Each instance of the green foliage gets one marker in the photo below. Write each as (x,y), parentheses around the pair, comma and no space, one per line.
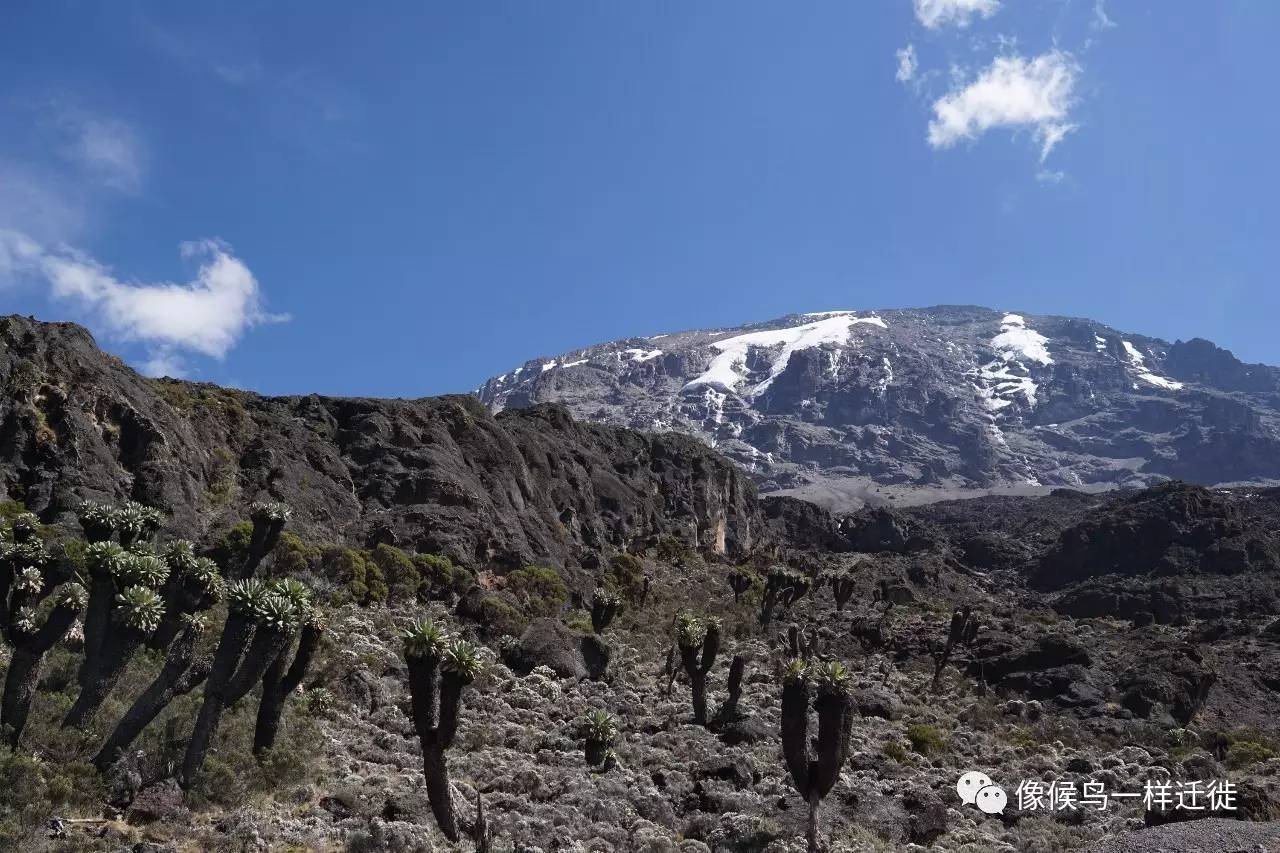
(32,790)
(464,659)
(441,577)
(401,574)
(233,548)
(599,727)
(425,639)
(539,589)
(894,750)
(362,581)
(292,556)
(626,576)
(501,619)
(1246,753)
(926,739)
(140,608)
(9,510)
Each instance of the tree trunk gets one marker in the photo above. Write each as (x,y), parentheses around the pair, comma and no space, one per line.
(98,682)
(812,837)
(278,684)
(235,634)
(176,678)
(698,683)
(270,707)
(19,686)
(439,792)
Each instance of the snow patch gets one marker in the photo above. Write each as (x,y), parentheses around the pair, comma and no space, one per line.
(1008,377)
(642,354)
(1015,339)
(1138,362)
(882,384)
(1099,343)
(728,369)
(575,363)
(548,366)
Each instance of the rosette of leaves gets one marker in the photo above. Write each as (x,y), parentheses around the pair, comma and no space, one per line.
(103,556)
(180,554)
(24,621)
(208,578)
(134,521)
(140,608)
(463,660)
(425,640)
(605,606)
(599,731)
(277,613)
(25,528)
(142,570)
(244,596)
(28,580)
(97,520)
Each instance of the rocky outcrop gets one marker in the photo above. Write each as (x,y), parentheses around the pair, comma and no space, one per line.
(438,474)
(1170,529)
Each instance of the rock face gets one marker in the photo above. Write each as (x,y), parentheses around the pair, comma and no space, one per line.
(835,404)
(438,474)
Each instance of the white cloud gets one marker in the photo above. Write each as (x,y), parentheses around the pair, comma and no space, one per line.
(939,13)
(164,362)
(207,315)
(1101,21)
(109,150)
(1013,92)
(907,63)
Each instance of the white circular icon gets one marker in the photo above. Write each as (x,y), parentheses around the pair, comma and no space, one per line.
(969,785)
(991,799)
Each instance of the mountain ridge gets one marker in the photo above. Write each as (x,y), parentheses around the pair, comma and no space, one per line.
(948,398)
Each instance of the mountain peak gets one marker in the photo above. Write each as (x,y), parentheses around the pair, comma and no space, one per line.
(933,400)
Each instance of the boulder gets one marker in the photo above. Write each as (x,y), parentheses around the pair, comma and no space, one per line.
(567,653)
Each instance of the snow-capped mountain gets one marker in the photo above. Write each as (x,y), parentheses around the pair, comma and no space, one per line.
(839,404)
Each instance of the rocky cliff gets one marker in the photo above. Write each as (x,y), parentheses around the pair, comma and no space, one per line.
(438,474)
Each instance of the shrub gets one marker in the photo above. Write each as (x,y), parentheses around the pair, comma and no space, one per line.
(293,556)
(626,575)
(233,548)
(499,618)
(1246,753)
(400,573)
(926,739)
(539,590)
(362,580)
(441,577)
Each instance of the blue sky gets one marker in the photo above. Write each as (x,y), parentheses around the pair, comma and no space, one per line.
(321,197)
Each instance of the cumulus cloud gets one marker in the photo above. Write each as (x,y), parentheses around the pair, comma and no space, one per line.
(940,13)
(206,315)
(1013,92)
(109,150)
(907,64)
